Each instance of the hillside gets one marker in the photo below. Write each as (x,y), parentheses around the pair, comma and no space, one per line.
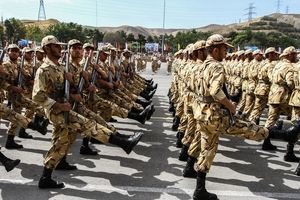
(288,24)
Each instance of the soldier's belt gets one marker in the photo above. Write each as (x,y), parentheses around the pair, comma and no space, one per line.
(205,99)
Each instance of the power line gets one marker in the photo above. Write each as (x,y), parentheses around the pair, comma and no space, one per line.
(278,4)
(250,12)
(42,13)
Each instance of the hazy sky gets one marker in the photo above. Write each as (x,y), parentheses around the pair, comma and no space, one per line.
(179,14)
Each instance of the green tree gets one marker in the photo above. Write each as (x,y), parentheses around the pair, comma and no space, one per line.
(150,39)
(67,31)
(114,38)
(15,29)
(34,33)
(130,38)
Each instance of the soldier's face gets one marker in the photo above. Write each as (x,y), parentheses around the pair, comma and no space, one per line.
(221,52)
(103,56)
(76,51)
(13,54)
(29,55)
(293,57)
(87,51)
(39,55)
(54,50)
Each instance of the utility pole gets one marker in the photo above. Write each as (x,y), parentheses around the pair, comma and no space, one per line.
(278,6)
(287,10)
(163,37)
(250,12)
(42,13)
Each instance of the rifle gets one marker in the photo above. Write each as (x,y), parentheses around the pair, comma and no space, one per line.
(81,81)
(94,75)
(67,85)
(19,81)
(2,54)
(34,65)
(110,75)
(232,119)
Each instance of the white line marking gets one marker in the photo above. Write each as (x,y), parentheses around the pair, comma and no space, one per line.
(125,189)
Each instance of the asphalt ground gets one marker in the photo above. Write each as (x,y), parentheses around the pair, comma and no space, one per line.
(241,170)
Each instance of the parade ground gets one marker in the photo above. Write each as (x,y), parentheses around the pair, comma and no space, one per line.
(241,170)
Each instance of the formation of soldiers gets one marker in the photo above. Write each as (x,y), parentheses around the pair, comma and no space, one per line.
(214,93)
(78,89)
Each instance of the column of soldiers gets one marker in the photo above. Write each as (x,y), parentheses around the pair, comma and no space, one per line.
(78,90)
(214,93)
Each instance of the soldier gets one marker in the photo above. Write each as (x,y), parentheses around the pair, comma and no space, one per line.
(280,91)
(213,104)
(253,69)
(191,136)
(263,87)
(48,92)
(15,94)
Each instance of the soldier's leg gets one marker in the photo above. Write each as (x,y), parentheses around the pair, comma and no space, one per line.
(290,155)
(241,104)
(183,156)
(8,163)
(258,108)
(209,145)
(12,130)
(193,152)
(250,98)
(273,116)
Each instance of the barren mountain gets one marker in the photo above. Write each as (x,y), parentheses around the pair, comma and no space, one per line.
(284,23)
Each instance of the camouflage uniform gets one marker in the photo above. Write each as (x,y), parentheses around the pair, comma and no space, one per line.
(212,116)
(280,91)
(47,90)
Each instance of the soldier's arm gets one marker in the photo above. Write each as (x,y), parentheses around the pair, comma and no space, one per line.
(39,93)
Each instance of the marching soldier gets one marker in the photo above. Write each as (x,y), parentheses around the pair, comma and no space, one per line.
(280,92)
(48,91)
(213,102)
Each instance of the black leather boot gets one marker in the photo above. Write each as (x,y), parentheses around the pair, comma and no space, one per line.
(179,136)
(85,148)
(24,134)
(183,156)
(11,144)
(290,155)
(267,145)
(9,164)
(171,107)
(176,123)
(143,102)
(200,192)
(127,144)
(140,117)
(64,165)
(189,170)
(41,124)
(152,110)
(47,182)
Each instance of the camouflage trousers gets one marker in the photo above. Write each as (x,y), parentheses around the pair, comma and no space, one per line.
(189,133)
(210,133)
(154,66)
(275,110)
(259,106)
(250,98)
(12,116)
(17,106)
(241,104)
(180,109)
(127,92)
(133,89)
(195,147)
(84,111)
(105,108)
(64,135)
